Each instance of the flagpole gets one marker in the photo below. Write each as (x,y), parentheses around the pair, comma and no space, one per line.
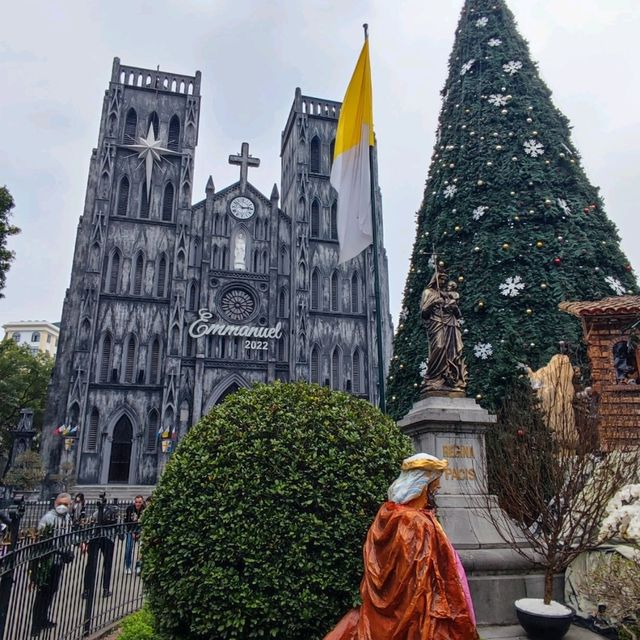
(376,275)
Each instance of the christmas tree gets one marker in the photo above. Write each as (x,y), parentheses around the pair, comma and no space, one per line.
(508,212)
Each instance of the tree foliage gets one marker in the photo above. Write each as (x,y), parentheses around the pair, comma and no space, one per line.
(23,384)
(27,472)
(257,525)
(509,211)
(6,230)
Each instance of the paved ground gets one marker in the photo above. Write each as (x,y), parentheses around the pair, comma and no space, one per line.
(516,632)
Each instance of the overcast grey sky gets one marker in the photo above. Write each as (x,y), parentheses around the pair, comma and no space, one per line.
(55,64)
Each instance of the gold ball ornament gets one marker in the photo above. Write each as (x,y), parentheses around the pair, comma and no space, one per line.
(529,312)
(539,244)
(460,278)
(543,285)
(457,228)
(505,246)
(479,396)
(480,183)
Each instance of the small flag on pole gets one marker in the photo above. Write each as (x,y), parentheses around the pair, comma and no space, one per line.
(350,174)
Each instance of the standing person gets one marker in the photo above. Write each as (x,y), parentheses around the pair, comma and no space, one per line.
(102,542)
(46,571)
(78,510)
(132,517)
(414,585)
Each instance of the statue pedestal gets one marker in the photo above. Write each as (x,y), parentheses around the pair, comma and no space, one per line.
(454,428)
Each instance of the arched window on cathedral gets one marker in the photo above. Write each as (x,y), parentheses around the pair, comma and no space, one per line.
(180,264)
(94,257)
(282,303)
(281,348)
(161,281)
(167,203)
(104,366)
(154,361)
(175,341)
(194,254)
(74,413)
(223,258)
(315,290)
(355,293)
(130,126)
(315,219)
(122,207)
(336,368)
(130,352)
(85,334)
(265,262)
(138,272)
(192,304)
(258,230)
(302,211)
(332,151)
(315,365)
(144,202)
(314,155)
(284,261)
(91,439)
(151,436)
(333,231)
(256,261)
(153,123)
(302,275)
(113,272)
(356,371)
(214,257)
(335,300)
(174,134)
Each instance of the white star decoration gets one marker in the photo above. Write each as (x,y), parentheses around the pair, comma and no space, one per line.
(615,284)
(150,151)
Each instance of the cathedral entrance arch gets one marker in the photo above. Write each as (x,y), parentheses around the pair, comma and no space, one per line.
(229,385)
(121,446)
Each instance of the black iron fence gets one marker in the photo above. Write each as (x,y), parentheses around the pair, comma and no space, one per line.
(70,582)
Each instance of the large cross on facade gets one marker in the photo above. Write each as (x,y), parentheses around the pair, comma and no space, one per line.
(245,161)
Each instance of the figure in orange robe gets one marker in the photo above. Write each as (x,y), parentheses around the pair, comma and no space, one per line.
(414,586)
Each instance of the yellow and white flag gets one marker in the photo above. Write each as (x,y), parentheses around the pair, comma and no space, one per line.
(350,174)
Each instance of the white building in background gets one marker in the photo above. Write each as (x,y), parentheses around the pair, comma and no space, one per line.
(38,335)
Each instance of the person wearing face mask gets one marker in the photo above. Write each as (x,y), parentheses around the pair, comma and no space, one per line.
(46,573)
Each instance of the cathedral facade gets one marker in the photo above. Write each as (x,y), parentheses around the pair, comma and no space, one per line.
(174,305)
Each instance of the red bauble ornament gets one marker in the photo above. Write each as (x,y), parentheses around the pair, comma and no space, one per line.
(628,267)
(586,209)
(520,433)
(557,261)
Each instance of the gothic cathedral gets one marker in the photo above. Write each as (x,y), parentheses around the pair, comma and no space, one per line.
(174,305)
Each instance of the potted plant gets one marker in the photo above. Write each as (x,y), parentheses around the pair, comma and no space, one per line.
(552,481)
(27,472)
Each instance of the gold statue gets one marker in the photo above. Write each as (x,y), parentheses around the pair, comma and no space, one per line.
(446,369)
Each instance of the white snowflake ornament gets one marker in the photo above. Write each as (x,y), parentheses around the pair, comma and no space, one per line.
(564,206)
(616,285)
(450,191)
(423,369)
(483,350)
(512,287)
(512,67)
(494,42)
(467,66)
(497,99)
(533,148)
(403,314)
(482,22)
(478,212)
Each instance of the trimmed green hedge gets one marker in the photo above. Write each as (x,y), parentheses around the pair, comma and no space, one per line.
(138,626)
(256,527)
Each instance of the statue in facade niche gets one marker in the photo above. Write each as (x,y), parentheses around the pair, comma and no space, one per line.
(239,262)
(446,369)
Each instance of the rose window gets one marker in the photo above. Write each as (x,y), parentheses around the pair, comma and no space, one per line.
(237,305)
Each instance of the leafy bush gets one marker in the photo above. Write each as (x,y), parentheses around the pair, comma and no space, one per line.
(138,626)
(257,524)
